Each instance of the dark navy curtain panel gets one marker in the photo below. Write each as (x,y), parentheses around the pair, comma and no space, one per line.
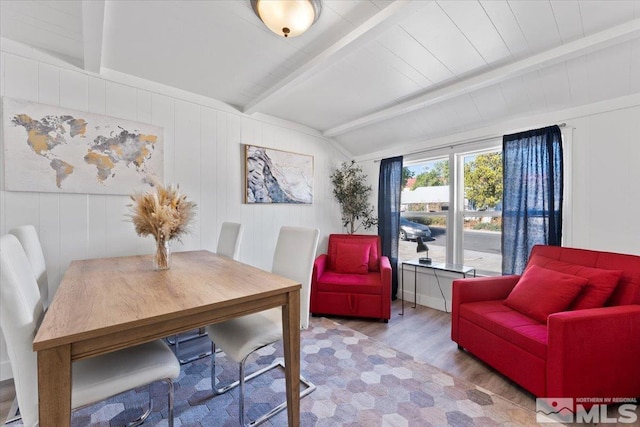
(389,190)
(532,198)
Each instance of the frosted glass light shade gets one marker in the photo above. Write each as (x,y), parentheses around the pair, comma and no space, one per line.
(287,18)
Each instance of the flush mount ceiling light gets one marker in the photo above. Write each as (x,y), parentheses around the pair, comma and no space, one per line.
(287,18)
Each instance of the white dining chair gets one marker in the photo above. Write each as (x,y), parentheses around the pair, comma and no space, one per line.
(239,337)
(229,241)
(93,379)
(28,238)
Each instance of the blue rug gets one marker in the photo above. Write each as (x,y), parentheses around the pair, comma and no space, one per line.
(360,382)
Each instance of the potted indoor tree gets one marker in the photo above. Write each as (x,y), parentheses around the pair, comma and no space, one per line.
(352,193)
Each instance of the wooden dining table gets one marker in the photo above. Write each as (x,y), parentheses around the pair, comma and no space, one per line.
(108,304)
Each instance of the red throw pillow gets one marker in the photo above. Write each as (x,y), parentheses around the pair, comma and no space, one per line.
(352,258)
(371,240)
(601,283)
(541,292)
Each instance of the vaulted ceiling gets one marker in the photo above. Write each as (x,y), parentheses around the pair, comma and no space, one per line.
(370,74)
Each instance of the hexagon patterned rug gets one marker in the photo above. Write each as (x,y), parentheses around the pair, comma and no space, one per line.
(360,382)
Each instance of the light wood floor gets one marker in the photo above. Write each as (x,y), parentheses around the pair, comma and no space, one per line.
(423,333)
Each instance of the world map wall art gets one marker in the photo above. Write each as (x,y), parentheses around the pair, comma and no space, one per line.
(275,176)
(54,149)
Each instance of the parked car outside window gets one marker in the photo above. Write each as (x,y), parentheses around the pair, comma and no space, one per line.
(410,230)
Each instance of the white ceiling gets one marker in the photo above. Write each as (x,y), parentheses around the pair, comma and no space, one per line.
(371,73)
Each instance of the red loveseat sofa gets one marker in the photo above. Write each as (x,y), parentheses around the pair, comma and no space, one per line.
(352,278)
(590,348)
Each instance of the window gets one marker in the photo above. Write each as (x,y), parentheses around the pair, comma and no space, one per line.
(425,202)
(481,211)
(458,197)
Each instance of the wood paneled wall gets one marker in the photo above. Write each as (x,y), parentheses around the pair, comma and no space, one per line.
(203,154)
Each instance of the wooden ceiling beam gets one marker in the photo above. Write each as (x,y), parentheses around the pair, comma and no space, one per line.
(92,33)
(576,48)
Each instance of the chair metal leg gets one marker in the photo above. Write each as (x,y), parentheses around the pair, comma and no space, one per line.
(15,416)
(14,412)
(185,337)
(170,400)
(310,387)
(241,402)
(177,341)
(141,419)
(226,388)
(144,416)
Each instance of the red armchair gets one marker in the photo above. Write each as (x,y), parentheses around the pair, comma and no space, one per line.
(352,279)
(585,350)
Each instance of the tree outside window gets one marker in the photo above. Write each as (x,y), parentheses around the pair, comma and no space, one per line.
(483,181)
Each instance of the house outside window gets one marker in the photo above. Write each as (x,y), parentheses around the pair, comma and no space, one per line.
(459,197)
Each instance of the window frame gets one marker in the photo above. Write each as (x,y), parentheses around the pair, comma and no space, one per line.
(454,248)
(455,214)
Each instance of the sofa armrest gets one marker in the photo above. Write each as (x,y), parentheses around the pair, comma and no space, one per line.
(483,288)
(594,352)
(319,266)
(478,289)
(386,279)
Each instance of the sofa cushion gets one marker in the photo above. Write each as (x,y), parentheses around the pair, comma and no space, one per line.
(601,283)
(331,281)
(541,292)
(352,258)
(628,289)
(508,324)
(372,240)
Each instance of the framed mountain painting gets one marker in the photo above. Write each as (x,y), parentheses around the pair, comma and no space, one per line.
(276,176)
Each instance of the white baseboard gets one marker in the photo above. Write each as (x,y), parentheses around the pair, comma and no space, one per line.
(432,291)
(427,301)
(434,302)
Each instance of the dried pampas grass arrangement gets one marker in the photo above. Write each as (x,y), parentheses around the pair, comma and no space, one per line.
(164,213)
